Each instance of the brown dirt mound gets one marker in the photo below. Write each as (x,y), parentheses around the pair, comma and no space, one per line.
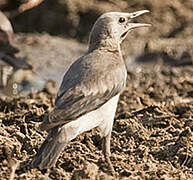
(152,136)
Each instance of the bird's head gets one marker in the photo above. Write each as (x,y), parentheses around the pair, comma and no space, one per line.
(111,29)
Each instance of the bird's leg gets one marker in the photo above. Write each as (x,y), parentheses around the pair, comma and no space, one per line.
(106,151)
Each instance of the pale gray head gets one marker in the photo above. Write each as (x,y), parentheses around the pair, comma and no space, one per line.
(111,29)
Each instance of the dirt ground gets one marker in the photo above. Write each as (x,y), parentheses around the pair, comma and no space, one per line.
(152,135)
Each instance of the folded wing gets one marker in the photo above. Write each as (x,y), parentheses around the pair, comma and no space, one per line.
(84,90)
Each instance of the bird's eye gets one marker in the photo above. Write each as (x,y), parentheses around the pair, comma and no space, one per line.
(121,20)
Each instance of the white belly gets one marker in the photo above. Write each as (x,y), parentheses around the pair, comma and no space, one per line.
(102,117)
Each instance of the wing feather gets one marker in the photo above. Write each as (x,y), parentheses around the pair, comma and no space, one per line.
(81,94)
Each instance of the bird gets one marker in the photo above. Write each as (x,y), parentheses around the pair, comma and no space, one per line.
(90,89)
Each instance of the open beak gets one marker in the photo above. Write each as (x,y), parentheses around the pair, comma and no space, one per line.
(134,15)
(131,26)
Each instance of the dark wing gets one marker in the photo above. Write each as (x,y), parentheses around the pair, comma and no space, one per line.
(84,90)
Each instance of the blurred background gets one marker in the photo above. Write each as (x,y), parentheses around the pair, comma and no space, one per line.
(152,135)
(75,18)
(50,35)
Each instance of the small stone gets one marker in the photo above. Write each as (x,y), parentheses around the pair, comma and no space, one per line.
(20,136)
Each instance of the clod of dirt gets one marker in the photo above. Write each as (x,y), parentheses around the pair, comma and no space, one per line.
(151,139)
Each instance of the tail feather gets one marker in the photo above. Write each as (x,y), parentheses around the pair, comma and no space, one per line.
(48,152)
